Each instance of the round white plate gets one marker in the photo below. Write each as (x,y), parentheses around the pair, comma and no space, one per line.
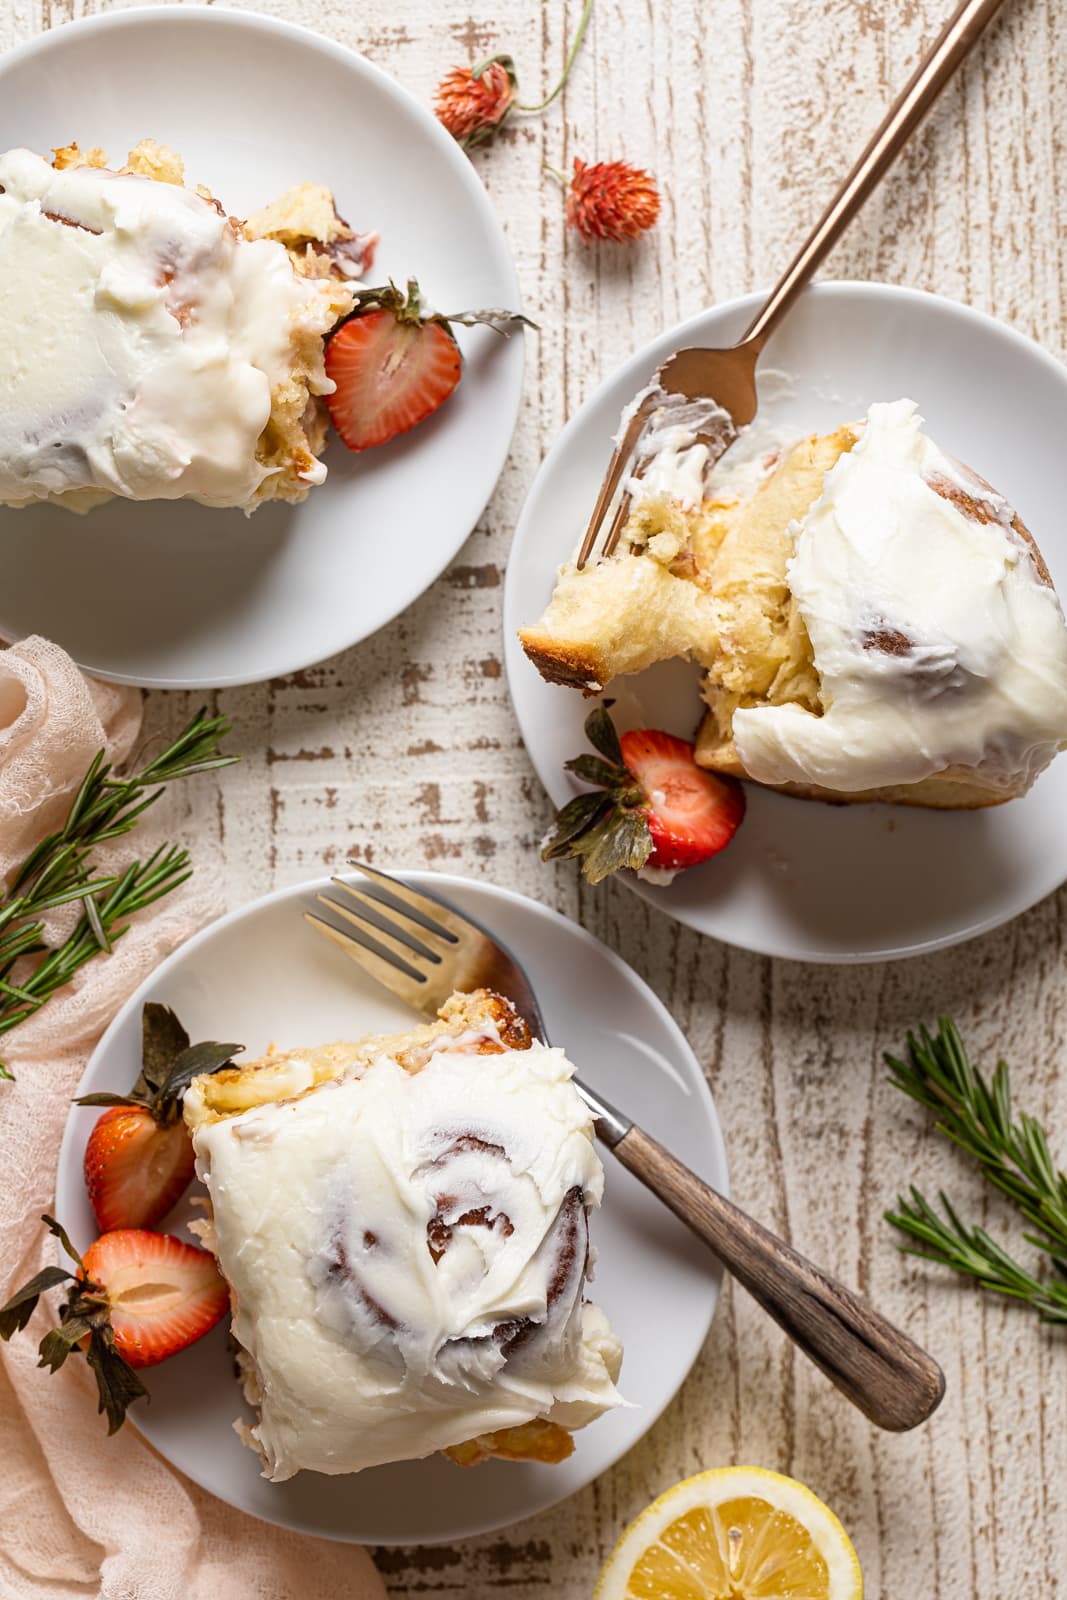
(801,879)
(176,595)
(263,974)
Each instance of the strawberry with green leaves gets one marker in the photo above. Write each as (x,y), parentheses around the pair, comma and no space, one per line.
(394,364)
(139,1157)
(651,807)
(135,1299)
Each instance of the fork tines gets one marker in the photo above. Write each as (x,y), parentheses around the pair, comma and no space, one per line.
(401,938)
(609,488)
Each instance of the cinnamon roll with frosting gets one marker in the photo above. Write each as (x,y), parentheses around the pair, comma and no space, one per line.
(404,1227)
(872,620)
(152,347)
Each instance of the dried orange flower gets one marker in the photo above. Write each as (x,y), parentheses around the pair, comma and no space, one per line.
(611,200)
(472,102)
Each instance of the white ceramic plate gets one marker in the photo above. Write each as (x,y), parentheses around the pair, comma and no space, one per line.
(262,974)
(175,595)
(811,881)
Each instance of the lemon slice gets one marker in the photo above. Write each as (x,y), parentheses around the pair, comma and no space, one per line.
(736,1533)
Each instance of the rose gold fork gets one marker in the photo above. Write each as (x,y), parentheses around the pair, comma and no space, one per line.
(423,949)
(728,377)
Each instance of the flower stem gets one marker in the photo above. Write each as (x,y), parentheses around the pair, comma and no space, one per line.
(571,56)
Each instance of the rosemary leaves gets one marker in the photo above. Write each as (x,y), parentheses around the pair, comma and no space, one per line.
(61,871)
(1012,1151)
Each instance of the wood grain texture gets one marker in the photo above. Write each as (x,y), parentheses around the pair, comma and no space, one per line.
(881,1369)
(406,750)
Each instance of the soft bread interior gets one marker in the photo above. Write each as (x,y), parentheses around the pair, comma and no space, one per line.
(762,654)
(708,584)
(282,1075)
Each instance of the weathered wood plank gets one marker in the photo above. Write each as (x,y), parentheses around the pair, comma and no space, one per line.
(406,750)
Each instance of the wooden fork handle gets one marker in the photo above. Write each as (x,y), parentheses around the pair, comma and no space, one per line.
(883,1372)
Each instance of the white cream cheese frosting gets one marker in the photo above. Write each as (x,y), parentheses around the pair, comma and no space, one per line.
(672,457)
(140,338)
(691,450)
(937,642)
(407,1254)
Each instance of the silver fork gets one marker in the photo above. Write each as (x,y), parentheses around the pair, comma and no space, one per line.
(727,377)
(423,949)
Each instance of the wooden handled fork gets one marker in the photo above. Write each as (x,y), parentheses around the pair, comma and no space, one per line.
(423,950)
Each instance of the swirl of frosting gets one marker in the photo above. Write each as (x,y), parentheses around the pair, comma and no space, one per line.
(939,641)
(408,1252)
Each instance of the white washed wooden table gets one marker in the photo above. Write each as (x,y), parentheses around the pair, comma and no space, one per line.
(406,751)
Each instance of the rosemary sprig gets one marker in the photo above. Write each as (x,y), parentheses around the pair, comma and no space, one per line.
(971,1251)
(976,1113)
(60,870)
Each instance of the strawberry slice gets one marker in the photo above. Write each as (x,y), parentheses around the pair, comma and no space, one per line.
(390,374)
(135,1299)
(651,806)
(139,1157)
(162,1294)
(691,814)
(393,365)
(136,1167)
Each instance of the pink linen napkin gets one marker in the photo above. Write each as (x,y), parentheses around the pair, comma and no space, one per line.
(81,1513)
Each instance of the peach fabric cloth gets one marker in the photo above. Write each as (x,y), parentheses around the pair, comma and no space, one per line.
(81,1514)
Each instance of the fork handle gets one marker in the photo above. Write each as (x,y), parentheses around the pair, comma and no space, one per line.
(883,1372)
(952,46)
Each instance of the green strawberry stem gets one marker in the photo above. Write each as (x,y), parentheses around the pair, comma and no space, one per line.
(606,829)
(83,1315)
(169,1064)
(406,306)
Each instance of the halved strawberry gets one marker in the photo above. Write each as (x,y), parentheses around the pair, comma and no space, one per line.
(136,1168)
(135,1299)
(162,1294)
(139,1158)
(692,814)
(652,805)
(394,366)
(390,374)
